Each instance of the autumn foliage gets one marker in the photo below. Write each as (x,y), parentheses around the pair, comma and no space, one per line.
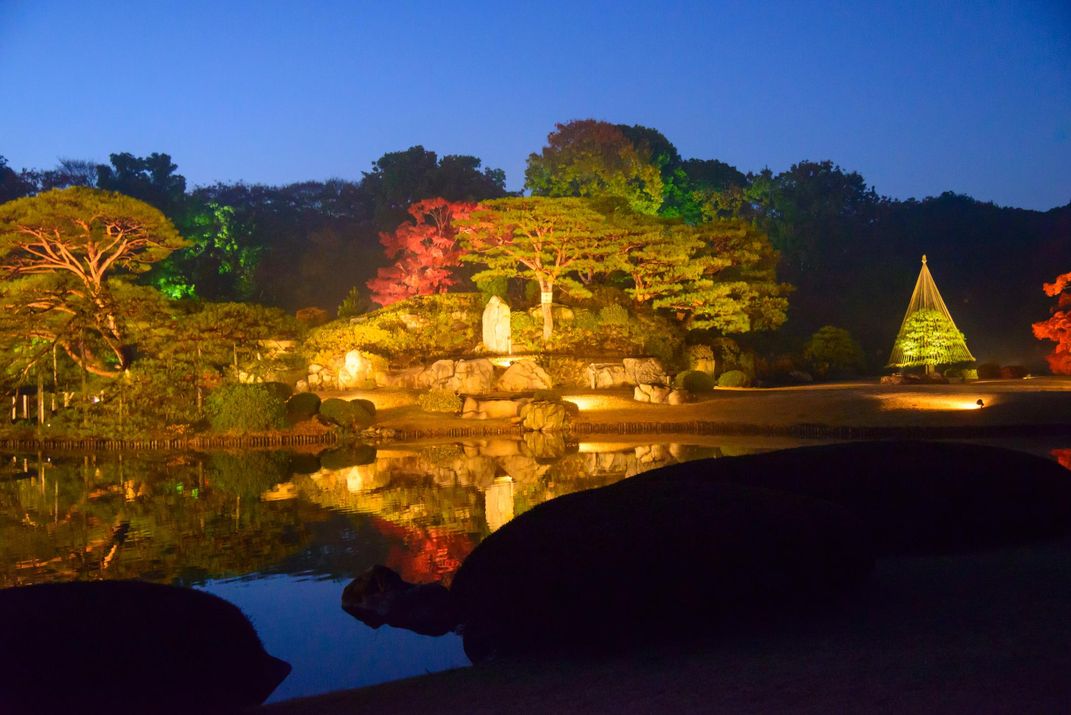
(425,252)
(1058,327)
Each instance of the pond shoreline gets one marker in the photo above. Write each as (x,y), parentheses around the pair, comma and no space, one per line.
(861,410)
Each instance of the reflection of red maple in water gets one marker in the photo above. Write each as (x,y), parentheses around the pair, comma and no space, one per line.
(1063,456)
(424,555)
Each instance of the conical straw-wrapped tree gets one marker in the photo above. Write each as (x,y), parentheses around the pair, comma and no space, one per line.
(928,336)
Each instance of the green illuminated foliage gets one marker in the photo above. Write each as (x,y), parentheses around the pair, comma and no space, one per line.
(546,240)
(596,159)
(245,408)
(833,352)
(928,338)
(58,251)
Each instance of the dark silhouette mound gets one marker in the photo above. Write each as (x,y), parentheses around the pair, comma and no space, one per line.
(638,560)
(380,596)
(916,497)
(128,647)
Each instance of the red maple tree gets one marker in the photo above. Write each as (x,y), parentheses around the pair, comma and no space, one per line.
(1058,327)
(425,252)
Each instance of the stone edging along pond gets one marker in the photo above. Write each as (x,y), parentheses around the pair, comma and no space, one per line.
(402,434)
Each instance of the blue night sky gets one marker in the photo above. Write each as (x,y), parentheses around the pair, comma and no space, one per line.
(919,97)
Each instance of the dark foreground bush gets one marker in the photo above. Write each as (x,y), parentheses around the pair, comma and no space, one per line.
(643,559)
(244,408)
(915,497)
(345,414)
(179,651)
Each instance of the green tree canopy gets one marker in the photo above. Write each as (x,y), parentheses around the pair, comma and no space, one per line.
(59,250)
(547,240)
(929,339)
(833,352)
(591,158)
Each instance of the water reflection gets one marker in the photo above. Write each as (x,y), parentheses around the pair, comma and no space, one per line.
(266,529)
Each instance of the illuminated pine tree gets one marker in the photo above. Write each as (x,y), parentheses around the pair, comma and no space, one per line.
(928,336)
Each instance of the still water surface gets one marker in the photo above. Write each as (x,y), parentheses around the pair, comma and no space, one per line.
(280,534)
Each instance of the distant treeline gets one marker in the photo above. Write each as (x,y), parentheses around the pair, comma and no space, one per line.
(851,254)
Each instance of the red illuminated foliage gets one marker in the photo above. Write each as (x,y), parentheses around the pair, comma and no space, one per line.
(1063,456)
(424,555)
(1058,327)
(425,252)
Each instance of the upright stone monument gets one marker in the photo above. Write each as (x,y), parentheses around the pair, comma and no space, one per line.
(497,337)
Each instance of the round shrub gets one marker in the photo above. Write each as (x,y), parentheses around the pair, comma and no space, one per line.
(345,414)
(733,378)
(368,405)
(302,406)
(439,400)
(694,381)
(833,352)
(244,408)
(279,389)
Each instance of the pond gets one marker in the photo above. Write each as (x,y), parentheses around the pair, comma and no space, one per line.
(280,534)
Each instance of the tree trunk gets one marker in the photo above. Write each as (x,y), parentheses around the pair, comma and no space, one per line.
(40,396)
(546,303)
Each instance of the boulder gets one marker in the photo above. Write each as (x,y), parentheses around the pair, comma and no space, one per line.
(678,397)
(601,376)
(129,647)
(914,497)
(645,559)
(524,376)
(645,371)
(497,336)
(438,375)
(544,416)
(656,394)
(380,596)
(472,377)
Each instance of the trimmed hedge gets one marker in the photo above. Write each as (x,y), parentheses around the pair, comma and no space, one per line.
(345,414)
(694,381)
(302,406)
(245,408)
(734,378)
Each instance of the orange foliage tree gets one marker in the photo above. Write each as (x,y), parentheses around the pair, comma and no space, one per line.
(1058,327)
(425,252)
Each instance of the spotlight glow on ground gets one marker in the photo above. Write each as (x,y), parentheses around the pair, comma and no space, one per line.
(917,401)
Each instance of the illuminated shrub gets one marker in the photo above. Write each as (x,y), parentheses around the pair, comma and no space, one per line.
(405,332)
(694,381)
(613,314)
(833,352)
(244,408)
(439,400)
(279,389)
(734,378)
(345,414)
(368,405)
(302,406)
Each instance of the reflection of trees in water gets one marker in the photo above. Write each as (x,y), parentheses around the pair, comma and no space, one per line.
(173,519)
(185,518)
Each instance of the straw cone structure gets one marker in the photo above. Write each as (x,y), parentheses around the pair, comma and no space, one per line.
(928,336)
